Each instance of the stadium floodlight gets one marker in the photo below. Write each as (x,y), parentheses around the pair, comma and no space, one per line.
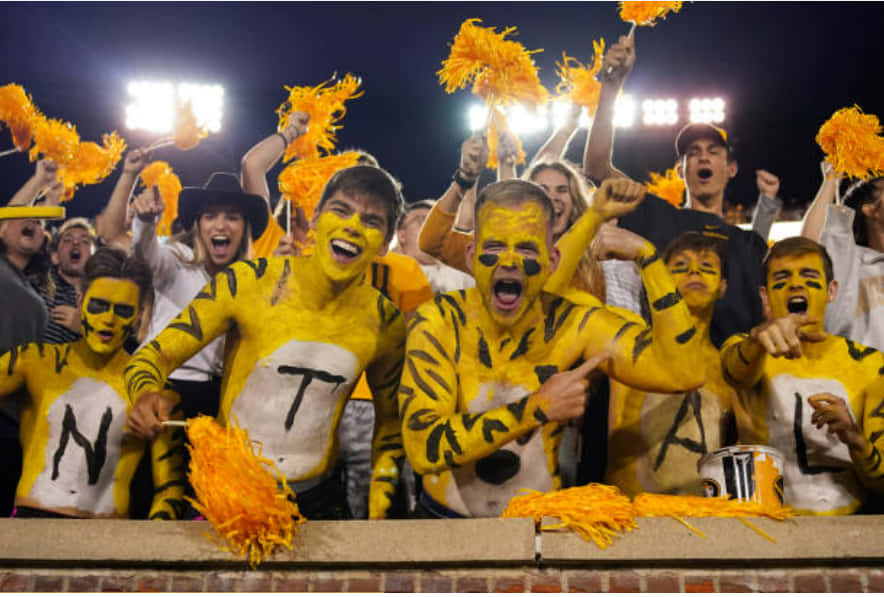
(561,111)
(478,116)
(707,110)
(624,111)
(154,105)
(659,112)
(523,121)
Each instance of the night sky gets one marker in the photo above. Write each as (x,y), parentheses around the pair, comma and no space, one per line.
(783,68)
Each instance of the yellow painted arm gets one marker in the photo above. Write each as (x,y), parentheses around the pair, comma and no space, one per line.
(659,358)
(742,361)
(13,367)
(572,245)
(435,435)
(387,452)
(207,316)
(869,465)
(169,471)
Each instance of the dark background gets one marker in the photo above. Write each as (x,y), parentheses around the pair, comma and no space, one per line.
(783,68)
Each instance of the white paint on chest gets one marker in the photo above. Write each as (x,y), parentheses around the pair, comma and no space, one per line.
(291,400)
(484,488)
(818,471)
(85,441)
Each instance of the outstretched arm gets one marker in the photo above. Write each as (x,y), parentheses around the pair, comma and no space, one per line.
(383,377)
(555,147)
(169,469)
(45,175)
(437,237)
(768,205)
(616,66)
(611,200)
(815,218)
(110,224)
(657,358)
(264,155)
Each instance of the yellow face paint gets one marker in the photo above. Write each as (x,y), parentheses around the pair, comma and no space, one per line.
(345,246)
(796,284)
(512,258)
(697,276)
(108,314)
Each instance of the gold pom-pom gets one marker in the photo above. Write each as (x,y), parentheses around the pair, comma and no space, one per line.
(17,111)
(669,187)
(578,84)
(502,71)
(325,104)
(160,174)
(496,126)
(852,143)
(645,14)
(302,181)
(596,512)
(92,163)
(54,140)
(239,491)
(188,133)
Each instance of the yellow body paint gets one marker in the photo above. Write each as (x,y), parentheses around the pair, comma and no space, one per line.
(332,227)
(77,459)
(471,423)
(821,475)
(655,440)
(109,311)
(293,353)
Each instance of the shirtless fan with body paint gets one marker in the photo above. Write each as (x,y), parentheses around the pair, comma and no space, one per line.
(300,331)
(490,378)
(78,460)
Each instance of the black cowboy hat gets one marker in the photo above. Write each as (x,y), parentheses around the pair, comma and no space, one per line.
(223,187)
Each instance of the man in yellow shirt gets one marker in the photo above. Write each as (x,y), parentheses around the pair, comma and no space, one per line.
(816,397)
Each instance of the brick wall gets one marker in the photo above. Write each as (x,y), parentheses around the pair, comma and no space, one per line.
(810,555)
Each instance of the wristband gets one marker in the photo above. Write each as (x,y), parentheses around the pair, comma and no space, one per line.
(285,143)
(462,182)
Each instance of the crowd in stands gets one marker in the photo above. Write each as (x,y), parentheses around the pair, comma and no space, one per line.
(430,358)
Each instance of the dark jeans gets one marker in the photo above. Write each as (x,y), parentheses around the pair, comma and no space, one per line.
(326,501)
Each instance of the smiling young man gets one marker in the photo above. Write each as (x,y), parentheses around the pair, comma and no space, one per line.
(490,378)
(816,397)
(655,440)
(300,330)
(78,461)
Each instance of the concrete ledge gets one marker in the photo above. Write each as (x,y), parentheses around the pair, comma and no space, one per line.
(665,541)
(401,542)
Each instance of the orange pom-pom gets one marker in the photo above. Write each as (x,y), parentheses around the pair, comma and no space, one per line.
(645,14)
(497,125)
(93,162)
(596,512)
(325,106)
(54,140)
(240,492)
(17,111)
(160,174)
(502,71)
(578,84)
(852,143)
(303,180)
(669,187)
(188,133)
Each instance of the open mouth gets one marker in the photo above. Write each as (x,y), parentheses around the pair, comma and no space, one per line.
(105,335)
(797,304)
(220,242)
(75,255)
(507,294)
(29,231)
(345,250)
(704,173)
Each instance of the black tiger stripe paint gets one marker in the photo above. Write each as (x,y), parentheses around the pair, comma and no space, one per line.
(855,353)
(456,306)
(523,346)
(666,301)
(418,422)
(623,329)
(686,335)
(642,341)
(422,355)
(644,262)
(192,327)
(231,280)
(586,317)
(517,408)
(438,379)
(484,352)
(259,266)
(13,357)
(212,294)
(423,385)
(490,426)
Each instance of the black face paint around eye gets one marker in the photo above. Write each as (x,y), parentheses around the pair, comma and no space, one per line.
(487,259)
(532,268)
(778,285)
(814,284)
(97,305)
(679,270)
(124,311)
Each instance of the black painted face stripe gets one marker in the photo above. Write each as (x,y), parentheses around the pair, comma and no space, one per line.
(814,284)
(97,305)
(487,259)
(778,285)
(532,267)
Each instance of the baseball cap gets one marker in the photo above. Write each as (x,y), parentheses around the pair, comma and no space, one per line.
(698,130)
